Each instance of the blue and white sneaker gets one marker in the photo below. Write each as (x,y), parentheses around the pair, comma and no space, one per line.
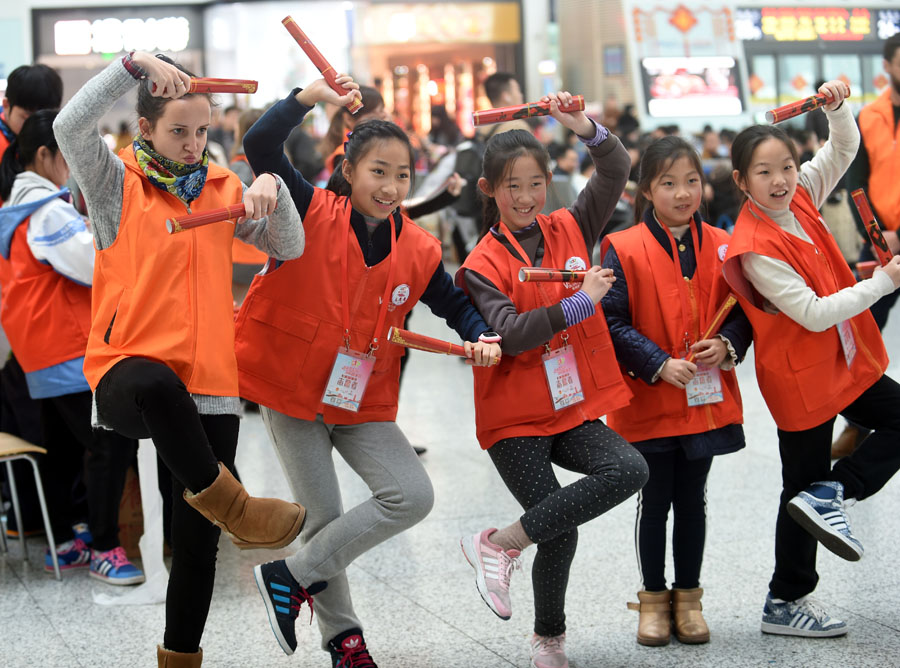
(283,597)
(71,555)
(803,617)
(114,568)
(83,531)
(820,510)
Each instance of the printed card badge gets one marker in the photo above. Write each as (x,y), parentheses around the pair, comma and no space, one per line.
(347,382)
(705,387)
(848,343)
(562,377)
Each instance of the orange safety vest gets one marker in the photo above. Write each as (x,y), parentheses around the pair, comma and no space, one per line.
(803,375)
(880,137)
(655,303)
(241,251)
(166,296)
(513,399)
(290,326)
(45,315)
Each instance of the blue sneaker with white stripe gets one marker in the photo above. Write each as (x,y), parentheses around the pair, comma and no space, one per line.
(114,568)
(803,617)
(283,597)
(820,510)
(71,555)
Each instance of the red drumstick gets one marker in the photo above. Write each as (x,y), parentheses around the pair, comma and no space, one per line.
(407,339)
(319,61)
(182,223)
(501,114)
(796,108)
(208,85)
(717,321)
(540,274)
(866,269)
(875,236)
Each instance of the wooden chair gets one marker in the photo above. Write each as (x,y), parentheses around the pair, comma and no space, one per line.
(12,448)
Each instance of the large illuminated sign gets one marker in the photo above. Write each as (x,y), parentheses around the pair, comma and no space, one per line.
(111,35)
(807,24)
(691,86)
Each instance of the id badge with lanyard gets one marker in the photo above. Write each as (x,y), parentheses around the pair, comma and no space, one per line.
(706,385)
(352,369)
(560,364)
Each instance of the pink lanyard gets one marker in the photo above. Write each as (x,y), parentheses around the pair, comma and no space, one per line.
(680,279)
(345,282)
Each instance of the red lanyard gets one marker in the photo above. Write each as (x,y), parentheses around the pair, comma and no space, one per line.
(345,281)
(542,296)
(680,280)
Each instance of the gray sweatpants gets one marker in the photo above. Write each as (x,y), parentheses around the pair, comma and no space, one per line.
(331,538)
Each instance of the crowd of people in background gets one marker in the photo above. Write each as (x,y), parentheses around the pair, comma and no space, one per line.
(122,350)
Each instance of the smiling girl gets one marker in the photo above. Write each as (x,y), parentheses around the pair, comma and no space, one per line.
(818,354)
(160,352)
(543,404)
(312,353)
(669,285)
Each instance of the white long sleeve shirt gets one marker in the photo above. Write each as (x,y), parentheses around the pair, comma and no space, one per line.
(57,233)
(783,288)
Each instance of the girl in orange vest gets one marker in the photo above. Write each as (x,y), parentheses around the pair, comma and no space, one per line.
(818,354)
(311,352)
(669,285)
(160,352)
(342,122)
(48,255)
(543,404)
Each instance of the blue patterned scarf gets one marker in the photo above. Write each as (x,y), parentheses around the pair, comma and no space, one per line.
(184,181)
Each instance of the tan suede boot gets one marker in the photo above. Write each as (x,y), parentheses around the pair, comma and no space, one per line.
(655,621)
(690,627)
(249,521)
(167,659)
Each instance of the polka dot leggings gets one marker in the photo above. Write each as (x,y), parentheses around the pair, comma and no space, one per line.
(613,470)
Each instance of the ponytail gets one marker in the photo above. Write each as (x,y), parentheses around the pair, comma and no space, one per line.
(10,168)
(37,131)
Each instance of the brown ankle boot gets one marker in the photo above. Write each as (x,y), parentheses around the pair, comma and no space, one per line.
(655,621)
(249,521)
(690,627)
(845,443)
(167,659)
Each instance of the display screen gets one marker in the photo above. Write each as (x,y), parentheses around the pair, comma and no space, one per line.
(692,86)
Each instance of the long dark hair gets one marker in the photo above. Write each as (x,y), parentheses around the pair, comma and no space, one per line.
(37,131)
(361,141)
(744,146)
(152,108)
(657,158)
(502,150)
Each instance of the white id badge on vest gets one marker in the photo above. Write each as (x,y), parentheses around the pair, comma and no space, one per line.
(349,377)
(562,377)
(705,387)
(848,343)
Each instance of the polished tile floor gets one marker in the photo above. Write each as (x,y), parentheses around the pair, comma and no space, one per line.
(416,594)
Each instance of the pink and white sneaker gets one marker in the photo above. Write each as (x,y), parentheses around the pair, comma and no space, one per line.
(493,566)
(549,651)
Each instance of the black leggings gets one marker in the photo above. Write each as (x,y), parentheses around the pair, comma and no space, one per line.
(142,398)
(614,471)
(67,435)
(806,458)
(679,483)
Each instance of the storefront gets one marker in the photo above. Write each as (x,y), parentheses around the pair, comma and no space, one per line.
(79,43)
(789,49)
